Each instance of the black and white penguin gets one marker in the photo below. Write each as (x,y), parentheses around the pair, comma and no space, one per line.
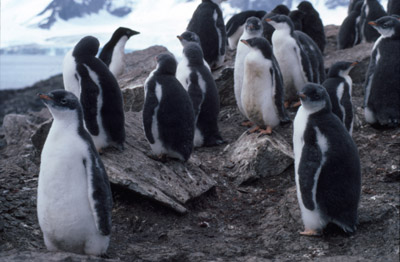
(268,30)
(168,116)
(297,18)
(371,10)
(339,87)
(196,78)
(349,32)
(393,7)
(382,84)
(185,38)
(235,25)
(253,29)
(312,24)
(299,58)
(74,200)
(208,23)
(262,91)
(352,5)
(113,53)
(93,83)
(327,165)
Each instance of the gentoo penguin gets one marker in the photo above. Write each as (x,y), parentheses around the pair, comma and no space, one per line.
(297,18)
(168,117)
(393,7)
(371,10)
(268,30)
(208,23)
(98,91)
(235,26)
(352,5)
(382,84)
(327,165)
(185,38)
(113,52)
(312,24)
(74,198)
(339,87)
(299,58)
(198,81)
(349,33)
(253,29)
(262,91)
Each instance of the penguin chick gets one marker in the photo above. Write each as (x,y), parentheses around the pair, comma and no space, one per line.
(168,117)
(196,78)
(382,84)
(74,198)
(262,91)
(349,33)
(371,10)
(268,30)
(339,87)
(113,53)
(327,165)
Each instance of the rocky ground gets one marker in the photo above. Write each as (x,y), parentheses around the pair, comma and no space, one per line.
(252,219)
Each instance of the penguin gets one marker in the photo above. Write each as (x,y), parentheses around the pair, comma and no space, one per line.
(168,116)
(262,91)
(198,81)
(297,18)
(235,26)
(90,79)
(382,84)
(208,23)
(371,10)
(339,87)
(312,24)
(352,5)
(253,29)
(393,7)
(268,30)
(113,52)
(185,38)
(299,58)
(74,200)
(327,165)
(349,33)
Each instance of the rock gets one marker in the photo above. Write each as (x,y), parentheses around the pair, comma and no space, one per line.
(39,137)
(36,256)
(225,88)
(133,98)
(258,156)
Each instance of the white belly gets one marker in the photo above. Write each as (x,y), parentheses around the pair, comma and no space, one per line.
(183,72)
(117,65)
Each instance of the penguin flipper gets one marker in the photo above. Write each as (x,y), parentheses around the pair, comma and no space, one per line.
(150,103)
(195,93)
(99,193)
(309,168)
(279,94)
(89,93)
(369,76)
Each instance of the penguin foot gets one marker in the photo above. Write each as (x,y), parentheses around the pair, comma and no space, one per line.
(310,233)
(161,158)
(254,129)
(247,123)
(267,131)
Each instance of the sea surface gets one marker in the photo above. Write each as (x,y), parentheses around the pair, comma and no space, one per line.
(19,71)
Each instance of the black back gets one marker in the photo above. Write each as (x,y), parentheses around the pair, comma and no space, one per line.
(349,33)
(393,7)
(175,111)
(375,12)
(107,51)
(297,18)
(339,182)
(112,113)
(239,19)
(312,24)
(203,24)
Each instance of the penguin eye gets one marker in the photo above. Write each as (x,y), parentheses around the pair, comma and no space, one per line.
(63,101)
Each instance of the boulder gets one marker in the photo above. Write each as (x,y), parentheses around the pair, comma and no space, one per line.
(256,156)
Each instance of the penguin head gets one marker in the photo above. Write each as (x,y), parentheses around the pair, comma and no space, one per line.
(187,37)
(87,46)
(62,104)
(253,25)
(123,31)
(261,44)
(306,7)
(314,98)
(281,10)
(341,68)
(387,26)
(281,22)
(357,7)
(194,54)
(166,64)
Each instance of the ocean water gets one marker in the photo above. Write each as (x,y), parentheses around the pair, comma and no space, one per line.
(19,71)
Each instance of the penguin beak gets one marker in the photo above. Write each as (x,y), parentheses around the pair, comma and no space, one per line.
(179,37)
(372,23)
(135,32)
(354,63)
(301,95)
(268,19)
(245,42)
(251,26)
(44,97)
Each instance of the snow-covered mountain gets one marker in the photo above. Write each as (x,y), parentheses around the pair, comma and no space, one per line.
(54,26)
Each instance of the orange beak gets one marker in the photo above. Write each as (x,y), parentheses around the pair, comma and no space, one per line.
(244,42)
(372,23)
(45,97)
(268,19)
(354,63)
(301,95)
(179,37)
